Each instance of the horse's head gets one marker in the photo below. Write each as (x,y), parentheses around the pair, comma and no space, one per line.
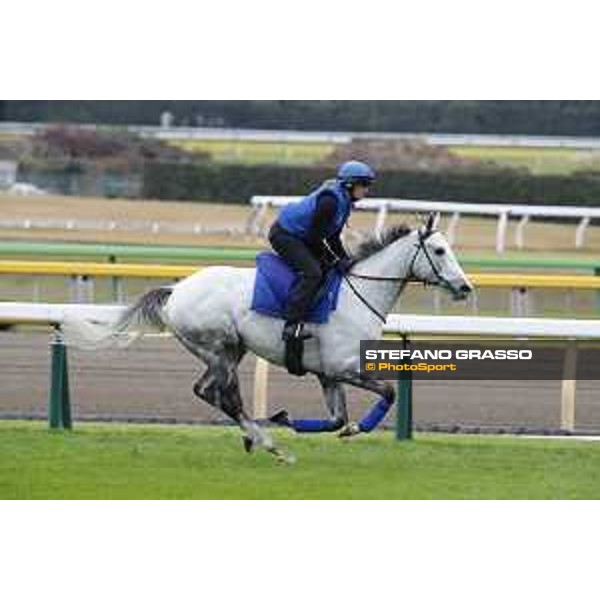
(434,261)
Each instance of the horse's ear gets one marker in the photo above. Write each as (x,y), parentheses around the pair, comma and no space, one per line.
(432,221)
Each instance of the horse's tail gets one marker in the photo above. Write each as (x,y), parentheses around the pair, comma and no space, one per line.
(146,311)
(93,335)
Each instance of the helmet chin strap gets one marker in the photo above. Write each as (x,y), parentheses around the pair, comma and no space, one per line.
(349,187)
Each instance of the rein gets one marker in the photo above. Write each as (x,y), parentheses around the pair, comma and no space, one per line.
(441,280)
(363,299)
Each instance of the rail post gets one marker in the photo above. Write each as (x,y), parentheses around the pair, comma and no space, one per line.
(501,232)
(117,286)
(261,381)
(59,413)
(568,388)
(452,227)
(580,232)
(404,410)
(381,217)
(520,232)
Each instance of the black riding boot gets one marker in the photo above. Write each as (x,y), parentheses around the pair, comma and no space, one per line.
(294,336)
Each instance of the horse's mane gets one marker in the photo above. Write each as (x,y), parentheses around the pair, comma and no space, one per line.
(375,243)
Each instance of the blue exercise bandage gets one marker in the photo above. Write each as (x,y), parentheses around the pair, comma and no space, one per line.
(377,414)
(313,425)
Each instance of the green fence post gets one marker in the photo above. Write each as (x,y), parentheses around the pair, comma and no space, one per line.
(59,400)
(66,393)
(404,418)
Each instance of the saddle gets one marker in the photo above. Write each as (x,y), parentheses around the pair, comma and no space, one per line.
(274,280)
(273,283)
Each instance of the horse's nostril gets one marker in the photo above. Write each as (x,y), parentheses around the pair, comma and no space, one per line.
(466,288)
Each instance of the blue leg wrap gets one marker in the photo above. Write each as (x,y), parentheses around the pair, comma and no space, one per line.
(313,425)
(377,413)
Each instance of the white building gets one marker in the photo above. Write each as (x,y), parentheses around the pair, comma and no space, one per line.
(8,173)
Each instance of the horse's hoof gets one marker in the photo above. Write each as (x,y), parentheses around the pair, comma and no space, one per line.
(283,458)
(349,430)
(286,459)
(248,443)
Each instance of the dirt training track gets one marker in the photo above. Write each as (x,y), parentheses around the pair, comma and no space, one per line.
(153,380)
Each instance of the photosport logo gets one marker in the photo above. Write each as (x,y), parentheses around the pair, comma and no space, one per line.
(478,360)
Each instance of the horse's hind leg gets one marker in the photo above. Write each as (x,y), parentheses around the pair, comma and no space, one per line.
(224,393)
(219,386)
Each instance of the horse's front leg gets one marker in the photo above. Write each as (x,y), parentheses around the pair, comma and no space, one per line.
(335,401)
(378,411)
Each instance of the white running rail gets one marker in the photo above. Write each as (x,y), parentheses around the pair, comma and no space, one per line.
(503,212)
(398,324)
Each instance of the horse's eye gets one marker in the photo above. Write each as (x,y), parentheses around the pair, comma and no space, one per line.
(440,251)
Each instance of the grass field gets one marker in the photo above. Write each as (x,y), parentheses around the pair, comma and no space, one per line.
(543,161)
(127,461)
(540,161)
(255,152)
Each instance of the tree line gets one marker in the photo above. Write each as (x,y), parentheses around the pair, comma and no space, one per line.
(531,117)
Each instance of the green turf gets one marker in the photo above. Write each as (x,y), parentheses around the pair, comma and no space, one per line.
(540,161)
(546,161)
(127,461)
(256,152)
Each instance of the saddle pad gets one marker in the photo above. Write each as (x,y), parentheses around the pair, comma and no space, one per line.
(274,279)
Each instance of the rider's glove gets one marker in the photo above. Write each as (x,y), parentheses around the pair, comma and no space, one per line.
(344,264)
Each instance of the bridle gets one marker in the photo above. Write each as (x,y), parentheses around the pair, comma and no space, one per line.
(420,247)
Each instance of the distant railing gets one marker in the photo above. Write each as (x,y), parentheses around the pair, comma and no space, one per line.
(130,226)
(503,212)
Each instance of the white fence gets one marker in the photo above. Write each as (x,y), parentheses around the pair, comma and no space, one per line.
(397,324)
(503,212)
(124,225)
(15,313)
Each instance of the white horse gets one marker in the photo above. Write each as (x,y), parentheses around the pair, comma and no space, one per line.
(209,313)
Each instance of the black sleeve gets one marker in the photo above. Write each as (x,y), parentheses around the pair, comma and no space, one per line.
(324,214)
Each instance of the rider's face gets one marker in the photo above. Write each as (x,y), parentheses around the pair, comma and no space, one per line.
(359,191)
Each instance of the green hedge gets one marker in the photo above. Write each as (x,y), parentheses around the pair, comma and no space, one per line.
(237,183)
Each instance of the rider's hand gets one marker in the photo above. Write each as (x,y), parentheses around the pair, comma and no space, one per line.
(344,264)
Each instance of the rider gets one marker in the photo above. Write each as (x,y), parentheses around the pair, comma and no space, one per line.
(307,236)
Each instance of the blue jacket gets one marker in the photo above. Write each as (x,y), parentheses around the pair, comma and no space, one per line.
(296,218)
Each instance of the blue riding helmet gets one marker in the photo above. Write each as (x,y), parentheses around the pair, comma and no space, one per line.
(354,171)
